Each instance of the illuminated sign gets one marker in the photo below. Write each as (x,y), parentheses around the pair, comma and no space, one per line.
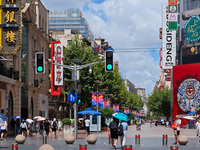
(58,59)
(10,26)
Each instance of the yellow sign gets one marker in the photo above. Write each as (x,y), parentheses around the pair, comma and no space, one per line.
(10,37)
(10,1)
(10,16)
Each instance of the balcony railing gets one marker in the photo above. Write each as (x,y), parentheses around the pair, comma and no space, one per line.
(9,72)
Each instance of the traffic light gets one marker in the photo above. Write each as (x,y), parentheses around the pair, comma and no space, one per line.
(40,62)
(109,61)
(79,101)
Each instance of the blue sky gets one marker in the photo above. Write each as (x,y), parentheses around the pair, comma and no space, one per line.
(125,24)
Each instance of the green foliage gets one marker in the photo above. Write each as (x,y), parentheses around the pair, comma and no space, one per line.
(66,121)
(107,112)
(72,122)
(159,102)
(78,48)
(131,116)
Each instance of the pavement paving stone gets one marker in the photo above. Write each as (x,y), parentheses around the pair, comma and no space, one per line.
(150,139)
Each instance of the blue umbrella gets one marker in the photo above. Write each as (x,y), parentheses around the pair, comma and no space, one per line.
(16,117)
(2,118)
(121,116)
(89,111)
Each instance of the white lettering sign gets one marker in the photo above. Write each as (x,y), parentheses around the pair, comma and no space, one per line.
(168,42)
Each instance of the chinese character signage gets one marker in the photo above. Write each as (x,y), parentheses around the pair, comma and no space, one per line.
(58,59)
(192,29)
(10,26)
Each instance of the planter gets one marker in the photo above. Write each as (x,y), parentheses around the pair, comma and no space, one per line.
(20,139)
(183,140)
(66,128)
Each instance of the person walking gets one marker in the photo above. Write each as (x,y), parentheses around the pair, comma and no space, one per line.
(87,126)
(123,137)
(47,125)
(23,127)
(59,125)
(198,128)
(54,127)
(4,130)
(177,122)
(12,124)
(17,126)
(112,130)
(41,128)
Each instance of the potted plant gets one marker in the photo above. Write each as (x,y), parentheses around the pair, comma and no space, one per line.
(66,123)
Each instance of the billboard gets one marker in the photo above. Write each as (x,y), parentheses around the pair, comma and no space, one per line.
(168,42)
(11,26)
(58,59)
(186,90)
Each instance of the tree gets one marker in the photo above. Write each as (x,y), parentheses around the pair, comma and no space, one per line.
(159,102)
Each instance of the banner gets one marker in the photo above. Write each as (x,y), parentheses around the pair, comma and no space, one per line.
(126,111)
(100,99)
(134,112)
(116,107)
(106,103)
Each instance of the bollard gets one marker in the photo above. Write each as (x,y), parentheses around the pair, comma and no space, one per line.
(14,146)
(173,147)
(128,147)
(137,139)
(164,140)
(44,138)
(109,139)
(82,147)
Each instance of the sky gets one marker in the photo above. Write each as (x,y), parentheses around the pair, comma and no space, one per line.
(128,26)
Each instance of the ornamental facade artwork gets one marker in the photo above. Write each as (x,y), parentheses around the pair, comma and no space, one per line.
(192,29)
(10,26)
(188,95)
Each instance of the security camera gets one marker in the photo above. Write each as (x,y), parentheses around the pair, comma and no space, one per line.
(100,57)
(90,70)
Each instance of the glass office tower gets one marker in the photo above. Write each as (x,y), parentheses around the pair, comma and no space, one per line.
(70,19)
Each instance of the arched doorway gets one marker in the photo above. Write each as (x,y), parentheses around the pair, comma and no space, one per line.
(10,106)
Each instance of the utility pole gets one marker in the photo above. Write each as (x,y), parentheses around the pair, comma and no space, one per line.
(74,69)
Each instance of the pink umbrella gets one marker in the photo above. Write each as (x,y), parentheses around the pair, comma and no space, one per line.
(41,119)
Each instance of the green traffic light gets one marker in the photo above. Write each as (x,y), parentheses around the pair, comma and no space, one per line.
(109,66)
(79,101)
(40,68)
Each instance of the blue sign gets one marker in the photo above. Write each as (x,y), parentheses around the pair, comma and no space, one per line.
(72,97)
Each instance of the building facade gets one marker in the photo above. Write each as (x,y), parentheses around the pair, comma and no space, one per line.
(70,19)
(22,91)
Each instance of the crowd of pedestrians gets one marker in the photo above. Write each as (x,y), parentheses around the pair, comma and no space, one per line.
(25,128)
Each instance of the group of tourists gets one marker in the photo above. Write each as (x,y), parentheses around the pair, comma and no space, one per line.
(118,129)
(28,128)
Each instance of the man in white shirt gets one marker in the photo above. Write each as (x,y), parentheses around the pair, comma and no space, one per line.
(3,130)
(177,131)
(198,127)
(87,126)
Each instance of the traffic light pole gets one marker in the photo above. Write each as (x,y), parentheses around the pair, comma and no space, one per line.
(74,69)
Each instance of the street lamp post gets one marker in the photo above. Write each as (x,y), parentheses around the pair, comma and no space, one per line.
(74,69)
(105,90)
(97,82)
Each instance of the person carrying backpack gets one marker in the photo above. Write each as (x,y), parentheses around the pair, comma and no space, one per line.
(112,130)
(54,127)
(122,130)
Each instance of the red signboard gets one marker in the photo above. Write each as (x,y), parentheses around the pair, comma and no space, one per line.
(186,90)
(172,2)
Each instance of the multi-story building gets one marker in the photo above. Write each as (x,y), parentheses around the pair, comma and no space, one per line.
(22,91)
(188,51)
(70,19)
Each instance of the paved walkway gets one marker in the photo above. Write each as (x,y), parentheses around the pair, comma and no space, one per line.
(150,139)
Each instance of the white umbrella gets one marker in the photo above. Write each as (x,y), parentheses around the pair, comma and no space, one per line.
(29,120)
(189,117)
(41,119)
(36,117)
